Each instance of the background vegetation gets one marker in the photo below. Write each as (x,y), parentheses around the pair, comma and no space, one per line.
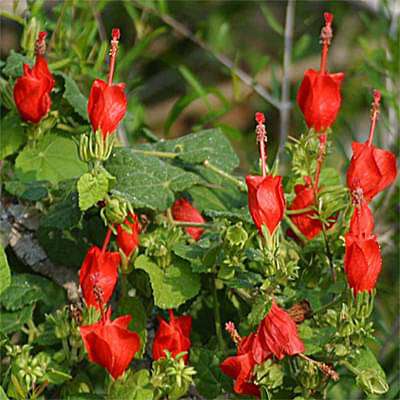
(190,65)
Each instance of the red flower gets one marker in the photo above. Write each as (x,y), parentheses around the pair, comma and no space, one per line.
(32,89)
(128,242)
(183,211)
(319,94)
(362,262)
(266,201)
(362,259)
(172,336)
(277,334)
(107,106)
(371,169)
(306,222)
(98,276)
(319,98)
(240,368)
(110,343)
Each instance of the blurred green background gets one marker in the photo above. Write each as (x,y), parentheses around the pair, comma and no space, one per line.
(188,65)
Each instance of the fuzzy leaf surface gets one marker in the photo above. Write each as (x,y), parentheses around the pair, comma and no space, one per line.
(172,286)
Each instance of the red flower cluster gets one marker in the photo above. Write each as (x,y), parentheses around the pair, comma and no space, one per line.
(265,193)
(107,101)
(371,170)
(173,336)
(319,95)
(276,336)
(183,211)
(110,343)
(32,89)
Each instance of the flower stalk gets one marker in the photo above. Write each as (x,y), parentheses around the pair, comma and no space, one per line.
(375,110)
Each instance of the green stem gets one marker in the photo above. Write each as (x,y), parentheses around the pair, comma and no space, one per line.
(242,187)
(217,317)
(301,211)
(160,154)
(294,228)
(66,348)
(66,128)
(329,253)
(124,286)
(195,224)
(350,367)
(328,305)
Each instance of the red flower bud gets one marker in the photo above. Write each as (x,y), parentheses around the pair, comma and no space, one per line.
(32,89)
(306,222)
(371,169)
(98,276)
(110,343)
(107,106)
(183,211)
(173,336)
(128,242)
(319,98)
(362,262)
(266,201)
(240,368)
(276,334)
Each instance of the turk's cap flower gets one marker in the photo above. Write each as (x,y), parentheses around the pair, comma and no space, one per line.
(266,201)
(98,276)
(362,262)
(319,98)
(172,336)
(110,343)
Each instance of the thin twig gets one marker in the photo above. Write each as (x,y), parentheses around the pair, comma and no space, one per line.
(287,55)
(224,60)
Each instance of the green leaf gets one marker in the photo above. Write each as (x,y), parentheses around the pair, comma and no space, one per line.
(134,306)
(371,377)
(74,96)
(133,386)
(195,148)
(20,293)
(177,109)
(92,188)
(26,289)
(53,158)
(14,63)
(139,48)
(271,20)
(5,275)
(3,396)
(147,181)
(13,321)
(210,381)
(12,135)
(65,214)
(221,198)
(301,46)
(32,191)
(172,286)
(194,83)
